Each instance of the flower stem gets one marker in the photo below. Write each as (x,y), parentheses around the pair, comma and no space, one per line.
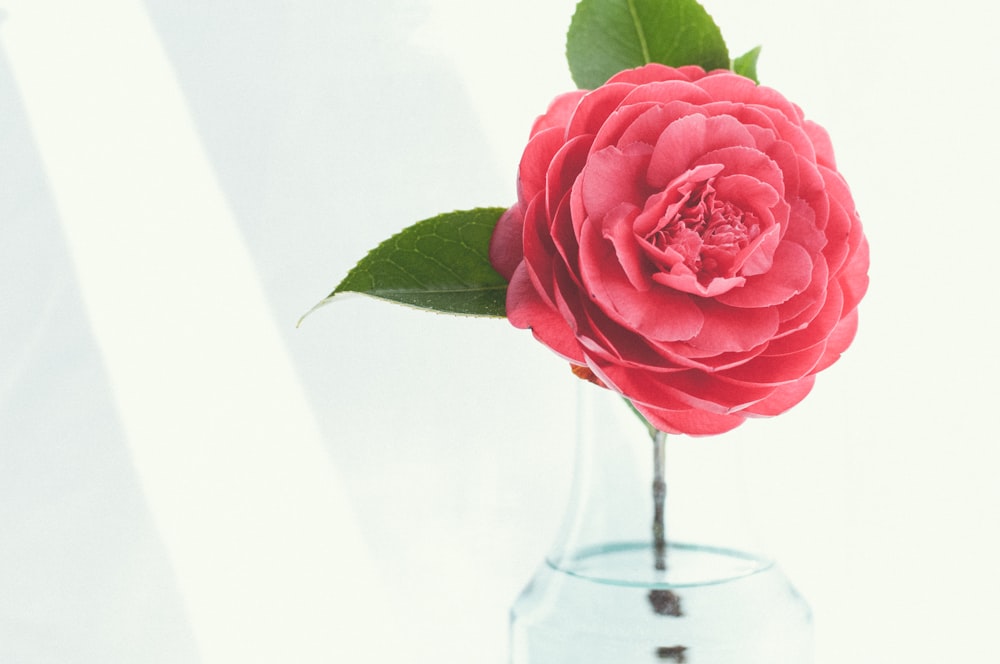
(659,501)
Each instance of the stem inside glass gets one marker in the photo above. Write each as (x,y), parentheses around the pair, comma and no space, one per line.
(659,501)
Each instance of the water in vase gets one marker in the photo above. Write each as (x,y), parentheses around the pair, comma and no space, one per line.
(712,606)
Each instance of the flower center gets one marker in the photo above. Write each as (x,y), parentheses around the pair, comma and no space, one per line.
(706,232)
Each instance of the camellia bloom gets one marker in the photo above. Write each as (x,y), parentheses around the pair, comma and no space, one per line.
(686,237)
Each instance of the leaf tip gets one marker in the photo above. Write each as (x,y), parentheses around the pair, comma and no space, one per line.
(746,64)
(319,305)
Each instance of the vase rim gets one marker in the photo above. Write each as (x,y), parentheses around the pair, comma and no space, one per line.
(689,565)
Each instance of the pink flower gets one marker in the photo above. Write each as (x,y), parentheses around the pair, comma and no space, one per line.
(687,238)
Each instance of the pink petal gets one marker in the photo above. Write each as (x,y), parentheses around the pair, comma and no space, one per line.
(666,91)
(816,330)
(595,107)
(782,398)
(617,228)
(563,234)
(691,422)
(539,251)
(559,112)
(726,86)
(506,250)
(646,121)
(802,227)
(658,314)
(813,191)
(666,204)
(686,140)
(824,146)
(839,340)
(641,385)
(726,329)
(772,369)
(685,355)
(695,389)
(526,310)
(758,256)
(749,161)
(607,342)
(627,125)
(535,160)
(683,280)
(838,236)
(757,121)
(563,170)
(612,177)
(656,72)
(854,278)
(790,274)
(796,313)
(746,191)
(791,132)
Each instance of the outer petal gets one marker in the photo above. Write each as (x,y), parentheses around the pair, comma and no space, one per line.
(657,72)
(559,111)
(782,399)
(595,107)
(839,340)
(676,390)
(534,166)
(824,146)
(854,278)
(775,369)
(692,422)
(527,311)
(735,88)
(506,248)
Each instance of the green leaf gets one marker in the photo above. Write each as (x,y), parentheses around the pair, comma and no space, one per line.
(608,36)
(440,264)
(746,64)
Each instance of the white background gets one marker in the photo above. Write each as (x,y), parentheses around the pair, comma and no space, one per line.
(187,477)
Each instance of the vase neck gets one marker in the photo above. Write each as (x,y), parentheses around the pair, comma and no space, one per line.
(638,492)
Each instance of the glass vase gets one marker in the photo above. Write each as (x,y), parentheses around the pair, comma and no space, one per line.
(623,584)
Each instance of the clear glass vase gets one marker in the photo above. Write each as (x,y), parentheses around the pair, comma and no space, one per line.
(622,585)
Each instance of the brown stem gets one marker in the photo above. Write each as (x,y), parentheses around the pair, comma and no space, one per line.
(675,653)
(659,501)
(664,602)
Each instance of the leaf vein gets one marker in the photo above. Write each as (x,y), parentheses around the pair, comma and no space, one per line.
(465,289)
(640,32)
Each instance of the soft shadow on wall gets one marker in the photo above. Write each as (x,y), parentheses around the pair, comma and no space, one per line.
(76,532)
